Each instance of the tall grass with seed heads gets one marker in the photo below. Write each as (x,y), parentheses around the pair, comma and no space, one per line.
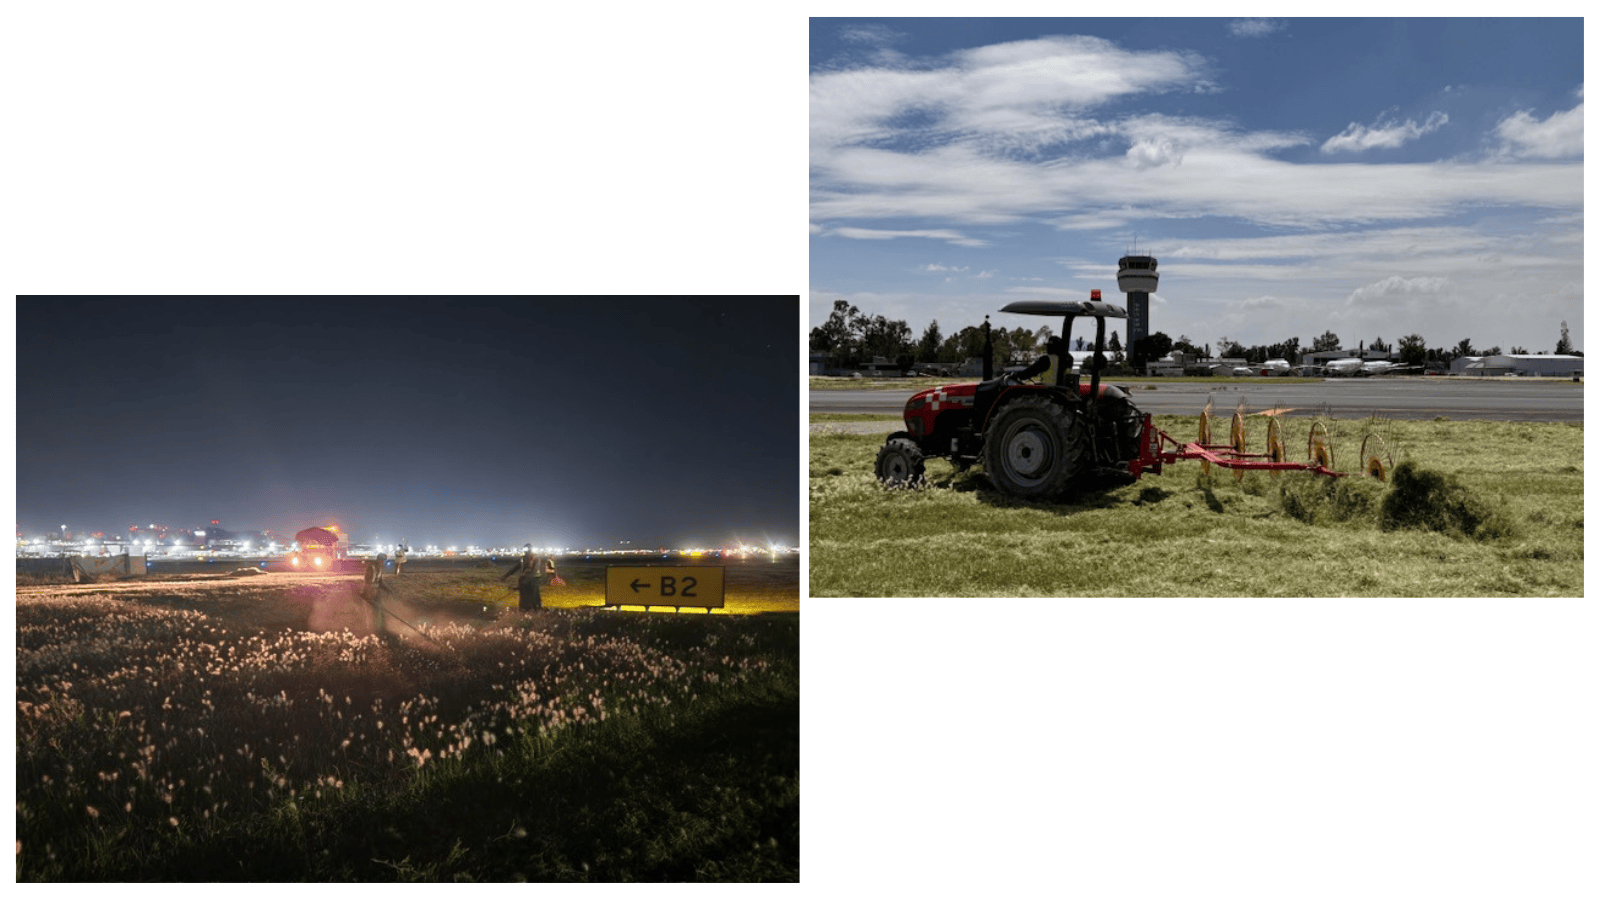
(193,736)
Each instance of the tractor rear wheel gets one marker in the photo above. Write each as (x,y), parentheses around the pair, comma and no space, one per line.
(1034,447)
(899,463)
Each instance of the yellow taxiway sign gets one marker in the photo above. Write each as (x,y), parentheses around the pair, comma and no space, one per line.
(664,586)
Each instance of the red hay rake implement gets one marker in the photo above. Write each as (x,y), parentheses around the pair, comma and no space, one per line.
(1157,448)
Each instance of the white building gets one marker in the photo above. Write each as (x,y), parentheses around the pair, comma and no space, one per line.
(1545,365)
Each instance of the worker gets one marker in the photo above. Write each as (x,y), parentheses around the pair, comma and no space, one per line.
(400,557)
(533,571)
(1060,361)
(525,562)
(373,593)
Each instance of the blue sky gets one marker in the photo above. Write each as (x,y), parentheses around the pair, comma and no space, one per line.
(1374,178)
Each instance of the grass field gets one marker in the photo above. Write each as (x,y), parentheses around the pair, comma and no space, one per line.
(254,729)
(1181,534)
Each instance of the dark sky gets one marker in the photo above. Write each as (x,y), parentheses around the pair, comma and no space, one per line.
(568,421)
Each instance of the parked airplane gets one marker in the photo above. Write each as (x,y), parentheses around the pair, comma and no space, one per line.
(1342,367)
(1277,367)
(1354,366)
(1384,367)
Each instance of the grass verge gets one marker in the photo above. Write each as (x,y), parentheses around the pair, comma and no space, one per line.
(706,793)
(198,737)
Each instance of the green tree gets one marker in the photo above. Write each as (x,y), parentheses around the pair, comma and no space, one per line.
(962,346)
(1564,346)
(1148,349)
(1288,351)
(839,337)
(1413,350)
(928,347)
(888,338)
(1025,346)
(1328,341)
(1465,349)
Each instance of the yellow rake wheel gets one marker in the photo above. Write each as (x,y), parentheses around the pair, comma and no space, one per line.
(1319,447)
(1275,449)
(1236,438)
(1375,458)
(1205,437)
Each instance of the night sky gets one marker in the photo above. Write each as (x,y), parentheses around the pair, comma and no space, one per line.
(571,421)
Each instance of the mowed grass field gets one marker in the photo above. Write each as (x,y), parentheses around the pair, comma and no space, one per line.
(1182,534)
(254,728)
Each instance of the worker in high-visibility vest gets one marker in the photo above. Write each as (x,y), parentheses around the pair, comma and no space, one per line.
(373,593)
(533,571)
(1060,362)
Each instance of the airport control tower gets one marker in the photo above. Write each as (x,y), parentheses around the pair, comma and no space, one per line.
(1136,277)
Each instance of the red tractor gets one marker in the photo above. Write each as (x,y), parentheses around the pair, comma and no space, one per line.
(1044,430)
(320,550)
(1037,432)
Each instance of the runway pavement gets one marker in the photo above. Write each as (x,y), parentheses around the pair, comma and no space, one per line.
(1500,399)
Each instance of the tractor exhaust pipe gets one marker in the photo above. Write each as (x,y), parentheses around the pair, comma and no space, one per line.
(988,352)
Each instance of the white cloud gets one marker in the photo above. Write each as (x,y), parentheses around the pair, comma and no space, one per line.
(1558,136)
(868,34)
(875,234)
(958,142)
(1018,95)
(1383,134)
(936,267)
(1395,288)
(1151,153)
(1443,282)
(1251,28)
(976,139)
(1217,178)
(1094,221)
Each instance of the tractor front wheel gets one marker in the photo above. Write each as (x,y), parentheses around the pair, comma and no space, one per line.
(899,463)
(1034,447)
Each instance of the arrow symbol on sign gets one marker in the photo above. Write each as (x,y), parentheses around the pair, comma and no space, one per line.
(636,585)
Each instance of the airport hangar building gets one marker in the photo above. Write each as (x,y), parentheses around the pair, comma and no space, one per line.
(1545,365)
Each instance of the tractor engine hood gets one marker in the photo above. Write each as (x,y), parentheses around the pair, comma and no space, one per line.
(950,396)
(924,407)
